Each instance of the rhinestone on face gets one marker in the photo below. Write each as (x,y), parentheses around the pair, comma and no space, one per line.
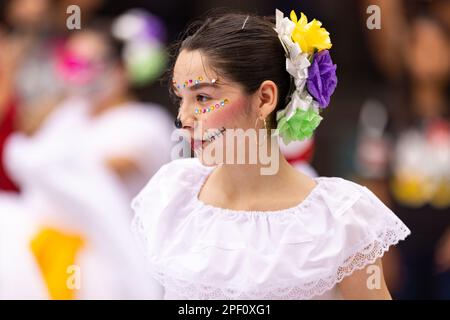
(190,80)
(222,103)
(204,110)
(212,108)
(225,101)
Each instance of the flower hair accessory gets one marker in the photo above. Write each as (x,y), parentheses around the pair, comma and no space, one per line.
(309,63)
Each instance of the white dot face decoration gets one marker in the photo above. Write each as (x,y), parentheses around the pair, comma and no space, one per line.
(196,81)
(189,82)
(213,107)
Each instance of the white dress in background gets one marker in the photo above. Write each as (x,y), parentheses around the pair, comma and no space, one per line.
(66,184)
(198,251)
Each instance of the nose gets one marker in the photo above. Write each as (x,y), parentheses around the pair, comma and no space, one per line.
(185,119)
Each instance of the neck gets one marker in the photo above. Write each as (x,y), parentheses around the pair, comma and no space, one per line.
(247,178)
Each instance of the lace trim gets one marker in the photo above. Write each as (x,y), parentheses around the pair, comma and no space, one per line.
(366,252)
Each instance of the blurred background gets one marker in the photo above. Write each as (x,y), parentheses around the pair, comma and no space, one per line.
(86,119)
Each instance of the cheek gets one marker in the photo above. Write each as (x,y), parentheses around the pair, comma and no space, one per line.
(227,116)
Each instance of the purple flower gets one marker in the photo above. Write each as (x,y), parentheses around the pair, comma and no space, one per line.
(322,79)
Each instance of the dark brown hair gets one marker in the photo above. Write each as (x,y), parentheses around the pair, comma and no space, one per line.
(247,56)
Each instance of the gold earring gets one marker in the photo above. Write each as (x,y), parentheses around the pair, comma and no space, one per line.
(265,127)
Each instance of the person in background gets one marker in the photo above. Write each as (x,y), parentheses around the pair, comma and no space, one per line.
(8,108)
(405,151)
(77,173)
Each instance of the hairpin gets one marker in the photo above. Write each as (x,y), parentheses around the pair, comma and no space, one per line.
(243,25)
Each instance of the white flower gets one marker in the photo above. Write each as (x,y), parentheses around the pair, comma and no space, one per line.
(297,64)
(299,100)
(284,27)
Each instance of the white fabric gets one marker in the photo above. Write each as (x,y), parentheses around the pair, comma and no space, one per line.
(20,277)
(71,136)
(66,184)
(197,251)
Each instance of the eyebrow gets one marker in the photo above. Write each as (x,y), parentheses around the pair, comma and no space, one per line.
(199,86)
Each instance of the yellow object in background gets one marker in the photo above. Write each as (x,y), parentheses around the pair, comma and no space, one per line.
(409,190)
(55,251)
(416,191)
(441,197)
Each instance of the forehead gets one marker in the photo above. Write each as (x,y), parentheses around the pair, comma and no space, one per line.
(191,65)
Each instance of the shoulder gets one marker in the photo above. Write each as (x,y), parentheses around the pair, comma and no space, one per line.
(172,178)
(340,195)
(178,169)
(181,168)
(171,190)
(354,215)
(347,213)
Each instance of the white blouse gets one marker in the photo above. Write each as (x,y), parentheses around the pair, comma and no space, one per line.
(198,251)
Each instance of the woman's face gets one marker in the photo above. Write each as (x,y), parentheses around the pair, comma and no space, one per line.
(428,53)
(209,104)
(84,68)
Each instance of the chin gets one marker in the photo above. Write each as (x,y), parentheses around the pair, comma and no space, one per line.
(205,159)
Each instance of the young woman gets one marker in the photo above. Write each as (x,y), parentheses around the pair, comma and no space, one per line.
(220,229)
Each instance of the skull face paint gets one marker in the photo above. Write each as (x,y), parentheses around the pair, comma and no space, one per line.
(212,107)
(187,83)
(215,104)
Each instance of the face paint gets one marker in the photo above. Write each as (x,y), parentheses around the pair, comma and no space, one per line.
(199,145)
(188,83)
(211,136)
(217,106)
(231,115)
(75,69)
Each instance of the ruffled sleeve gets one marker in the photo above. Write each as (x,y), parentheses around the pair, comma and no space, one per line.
(149,205)
(360,229)
(165,192)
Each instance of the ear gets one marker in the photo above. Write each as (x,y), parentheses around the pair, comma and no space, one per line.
(267,97)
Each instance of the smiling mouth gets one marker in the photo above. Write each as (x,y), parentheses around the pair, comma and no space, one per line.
(195,143)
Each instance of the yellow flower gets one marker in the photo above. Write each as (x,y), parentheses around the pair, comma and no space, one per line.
(309,36)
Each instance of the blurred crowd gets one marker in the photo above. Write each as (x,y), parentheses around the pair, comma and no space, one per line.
(77,145)
(85,121)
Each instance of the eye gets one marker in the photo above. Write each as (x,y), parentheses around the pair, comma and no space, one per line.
(202,98)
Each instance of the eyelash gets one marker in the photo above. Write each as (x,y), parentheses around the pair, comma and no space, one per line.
(199,98)
(202,96)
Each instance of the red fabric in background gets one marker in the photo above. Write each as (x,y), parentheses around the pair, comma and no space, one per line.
(6,128)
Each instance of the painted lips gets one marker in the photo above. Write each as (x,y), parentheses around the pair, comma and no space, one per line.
(195,143)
